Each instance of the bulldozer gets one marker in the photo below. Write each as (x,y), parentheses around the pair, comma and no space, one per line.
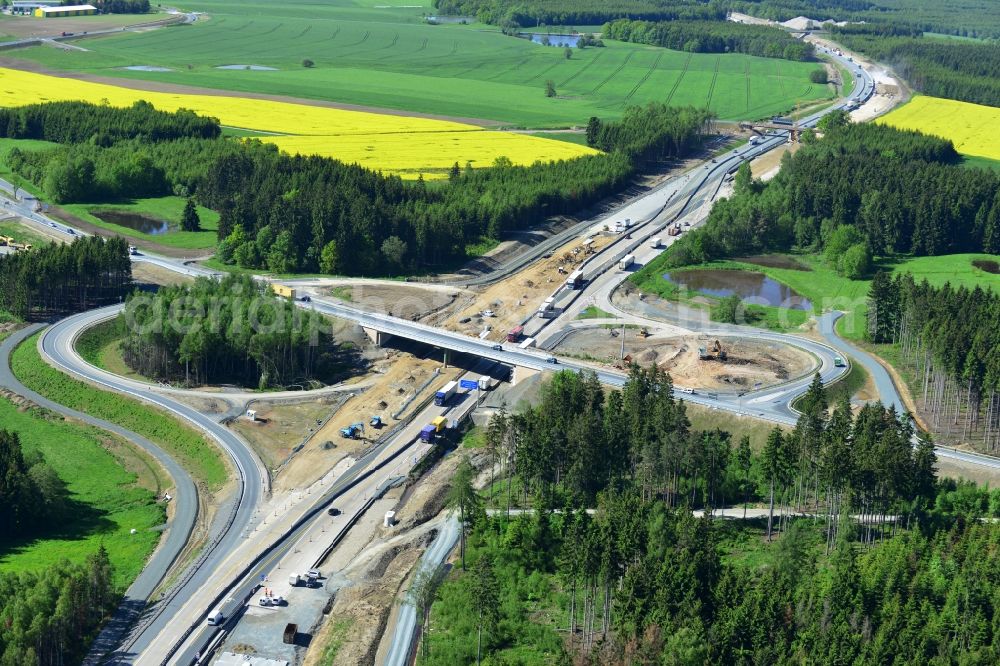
(643,333)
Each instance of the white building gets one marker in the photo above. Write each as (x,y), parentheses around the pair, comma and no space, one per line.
(29,6)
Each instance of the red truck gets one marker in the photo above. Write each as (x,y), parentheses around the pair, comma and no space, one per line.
(514,334)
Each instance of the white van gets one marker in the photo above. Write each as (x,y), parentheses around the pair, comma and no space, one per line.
(216,618)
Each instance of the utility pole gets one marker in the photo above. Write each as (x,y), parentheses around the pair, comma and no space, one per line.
(623,341)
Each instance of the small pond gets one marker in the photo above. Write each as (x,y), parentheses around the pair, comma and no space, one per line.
(753,287)
(134,221)
(552,40)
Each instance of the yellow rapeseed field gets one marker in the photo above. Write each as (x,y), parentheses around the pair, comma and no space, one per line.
(973,128)
(396,144)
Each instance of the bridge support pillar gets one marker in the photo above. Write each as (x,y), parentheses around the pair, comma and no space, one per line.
(521,373)
(378,337)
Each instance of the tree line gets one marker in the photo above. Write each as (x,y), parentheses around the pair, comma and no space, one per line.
(964,71)
(50,616)
(35,500)
(85,172)
(295,213)
(711,37)
(63,278)
(103,125)
(235,330)
(964,18)
(947,340)
(117,6)
(336,218)
(902,192)
(531,13)
(901,577)
(580,442)
(650,133)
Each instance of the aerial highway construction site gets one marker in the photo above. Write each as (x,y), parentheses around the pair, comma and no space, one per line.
(335,497)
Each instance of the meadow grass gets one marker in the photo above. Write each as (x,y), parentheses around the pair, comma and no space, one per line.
(108,502)
(6,145)
(981,163)
(388,57)
(827,290)
(23,234)
(594,312)
(167,209)
(100,345)
(706,418)
(202,459)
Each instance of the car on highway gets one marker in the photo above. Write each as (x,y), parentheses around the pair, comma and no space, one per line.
(333,511)
(547,255)
(70,231)
(497,348)
(216,618)
(305,299)
(551,359)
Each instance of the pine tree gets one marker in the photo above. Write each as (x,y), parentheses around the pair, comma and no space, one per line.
(462,498)
(189,218)
(486,600)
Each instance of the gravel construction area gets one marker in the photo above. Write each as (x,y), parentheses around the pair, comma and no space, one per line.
(396,380)
(282,426)
(750,363)
(513,300)
(407,301)
(375,579)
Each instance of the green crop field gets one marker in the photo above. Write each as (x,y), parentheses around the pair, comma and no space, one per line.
(109,502)
(368,54)
(187,446)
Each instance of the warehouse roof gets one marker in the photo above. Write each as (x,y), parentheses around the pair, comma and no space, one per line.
(68,8)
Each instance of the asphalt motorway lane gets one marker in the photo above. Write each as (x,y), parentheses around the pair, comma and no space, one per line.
(57,346)
(185,501)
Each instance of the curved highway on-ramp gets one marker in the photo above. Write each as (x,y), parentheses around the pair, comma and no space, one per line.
(185,502)
(57,346)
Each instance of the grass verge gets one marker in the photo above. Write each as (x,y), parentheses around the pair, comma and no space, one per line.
(201,458)
(706,418)
(22,234)
(101,346)
(848,385)
(112,487)
(594,312)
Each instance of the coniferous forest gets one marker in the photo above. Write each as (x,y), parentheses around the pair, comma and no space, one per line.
(60,279)
(711,37)
(234,330)
(902,192)
(948,341)
(883,564)
(530,13)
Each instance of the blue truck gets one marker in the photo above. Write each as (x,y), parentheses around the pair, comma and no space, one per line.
(444,395)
